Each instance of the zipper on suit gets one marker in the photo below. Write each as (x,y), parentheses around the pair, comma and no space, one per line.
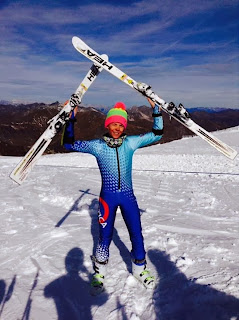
(118,163)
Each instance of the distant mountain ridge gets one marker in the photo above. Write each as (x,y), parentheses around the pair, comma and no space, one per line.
(22,124)
(209,110)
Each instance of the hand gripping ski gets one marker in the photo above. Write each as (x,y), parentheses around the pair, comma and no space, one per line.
(177,112)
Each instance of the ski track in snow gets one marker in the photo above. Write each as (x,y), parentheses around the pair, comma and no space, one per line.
(188,196)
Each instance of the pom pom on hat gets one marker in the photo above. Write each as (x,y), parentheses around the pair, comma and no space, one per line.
(120,105)
(117,114)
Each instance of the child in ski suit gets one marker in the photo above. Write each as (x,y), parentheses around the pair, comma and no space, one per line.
(114,153)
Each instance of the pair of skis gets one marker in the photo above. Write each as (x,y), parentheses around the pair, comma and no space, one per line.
(101,62)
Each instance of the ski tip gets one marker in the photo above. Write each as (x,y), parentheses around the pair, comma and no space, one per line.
(74,39)
(15,179)
(78,43)
(233,155)
(105,57)
(82,46)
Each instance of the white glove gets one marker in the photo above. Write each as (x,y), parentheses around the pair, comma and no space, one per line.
(145,89)
(75,100)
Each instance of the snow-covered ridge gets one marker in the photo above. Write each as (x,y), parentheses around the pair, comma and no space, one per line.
(190,154)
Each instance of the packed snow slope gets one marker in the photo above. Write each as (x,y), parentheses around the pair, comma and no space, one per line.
(188,195)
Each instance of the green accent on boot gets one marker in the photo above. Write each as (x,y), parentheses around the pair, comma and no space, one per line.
(97,280)
(147,279)
(144,272)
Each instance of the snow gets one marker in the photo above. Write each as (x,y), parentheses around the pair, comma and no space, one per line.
(188,196)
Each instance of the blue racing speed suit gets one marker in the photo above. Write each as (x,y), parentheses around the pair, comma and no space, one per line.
(115,164)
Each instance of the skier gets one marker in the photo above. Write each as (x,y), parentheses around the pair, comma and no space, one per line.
(114,153)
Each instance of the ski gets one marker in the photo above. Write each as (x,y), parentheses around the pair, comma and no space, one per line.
(177,112)
(25,166)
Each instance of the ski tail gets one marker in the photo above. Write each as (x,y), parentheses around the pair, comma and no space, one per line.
(25,166)
(216,143)
(178,113)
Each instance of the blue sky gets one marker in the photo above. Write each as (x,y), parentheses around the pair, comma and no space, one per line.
(186,50)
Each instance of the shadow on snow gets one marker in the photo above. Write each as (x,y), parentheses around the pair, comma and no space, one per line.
(70,292)
(180,298)
(5,296)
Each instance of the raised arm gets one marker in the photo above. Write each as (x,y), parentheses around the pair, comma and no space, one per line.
(68,138)
(157,129)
